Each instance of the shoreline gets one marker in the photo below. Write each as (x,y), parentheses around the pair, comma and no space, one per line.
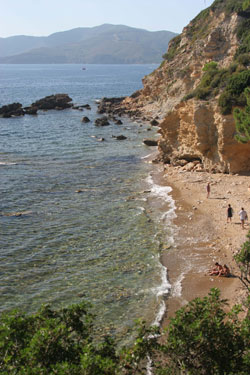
(203,236)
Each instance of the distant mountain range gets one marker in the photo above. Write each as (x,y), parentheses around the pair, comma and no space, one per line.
(105,44)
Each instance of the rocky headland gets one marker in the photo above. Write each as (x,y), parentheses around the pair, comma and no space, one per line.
(191,98)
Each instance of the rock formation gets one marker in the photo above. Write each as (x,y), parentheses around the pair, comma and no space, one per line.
(102,121)
(57,101)
(85,119)
(11,110)
(177,98)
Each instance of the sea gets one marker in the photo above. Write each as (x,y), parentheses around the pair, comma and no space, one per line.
(102,245)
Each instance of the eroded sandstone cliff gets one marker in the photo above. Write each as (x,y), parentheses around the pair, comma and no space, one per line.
(195,130)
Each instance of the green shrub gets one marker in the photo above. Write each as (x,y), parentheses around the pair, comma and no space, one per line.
(202,339)
(229,6)
(202,93)
(173,48)
(225,103)
(53,342)
(244,59)
(233,92)
(191,95)
(246,4)
(238,82)
(243,256)
(212,65)
(242,123)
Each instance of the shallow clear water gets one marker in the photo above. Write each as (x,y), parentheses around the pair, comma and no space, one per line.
(102,244)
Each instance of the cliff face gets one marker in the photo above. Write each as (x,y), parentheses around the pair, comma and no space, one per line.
(195,130)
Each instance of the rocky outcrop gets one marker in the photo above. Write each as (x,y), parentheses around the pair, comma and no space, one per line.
(57,101)
(119,137)
(85,119)
(11,110)
(102,121)
(193,131)
(150,142)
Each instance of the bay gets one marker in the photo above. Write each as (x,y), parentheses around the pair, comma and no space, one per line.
(100,245)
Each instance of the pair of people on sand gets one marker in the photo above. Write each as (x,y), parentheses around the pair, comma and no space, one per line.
(242,214)
(220,270)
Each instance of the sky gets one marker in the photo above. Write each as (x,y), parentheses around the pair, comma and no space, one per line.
(44,17)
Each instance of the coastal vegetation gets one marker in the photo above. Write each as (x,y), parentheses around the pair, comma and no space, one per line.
(202,338)
(242,120)
(173,48)
(243,258)
(228,84)
(231,81)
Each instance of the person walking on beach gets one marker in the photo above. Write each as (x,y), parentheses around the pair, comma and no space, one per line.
(208,189)
(243,217)
(229,213)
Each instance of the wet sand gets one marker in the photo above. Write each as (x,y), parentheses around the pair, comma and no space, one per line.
(202,235)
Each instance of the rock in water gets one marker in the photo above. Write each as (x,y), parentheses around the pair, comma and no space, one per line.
(102,121)
(11,110)
(85,119)
(120,137)
(57,101)
(150,142)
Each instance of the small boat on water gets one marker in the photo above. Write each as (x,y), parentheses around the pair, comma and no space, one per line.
(83,68)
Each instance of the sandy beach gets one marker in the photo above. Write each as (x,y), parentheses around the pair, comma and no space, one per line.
(203,236)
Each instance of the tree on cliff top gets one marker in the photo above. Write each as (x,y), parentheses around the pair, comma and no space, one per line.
(242,120)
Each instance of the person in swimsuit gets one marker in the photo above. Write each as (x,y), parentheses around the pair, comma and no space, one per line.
(229,213)
(208,189)
(225,271)
(216,270)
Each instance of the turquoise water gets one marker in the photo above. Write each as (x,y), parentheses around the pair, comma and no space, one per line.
(100,245)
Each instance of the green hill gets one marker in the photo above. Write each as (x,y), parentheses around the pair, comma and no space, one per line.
(111,44)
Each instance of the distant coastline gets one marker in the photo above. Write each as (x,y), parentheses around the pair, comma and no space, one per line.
(105,44)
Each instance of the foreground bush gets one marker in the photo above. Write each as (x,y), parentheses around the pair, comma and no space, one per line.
(53,342)
(203,339)
(200,339)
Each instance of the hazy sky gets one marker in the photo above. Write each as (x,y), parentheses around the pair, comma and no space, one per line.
(44,17)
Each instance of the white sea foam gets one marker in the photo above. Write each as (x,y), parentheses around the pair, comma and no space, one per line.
(165,286)
(145,157)
(160,291)
(177,286)
(140,210)
(162,192)
(7,163)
